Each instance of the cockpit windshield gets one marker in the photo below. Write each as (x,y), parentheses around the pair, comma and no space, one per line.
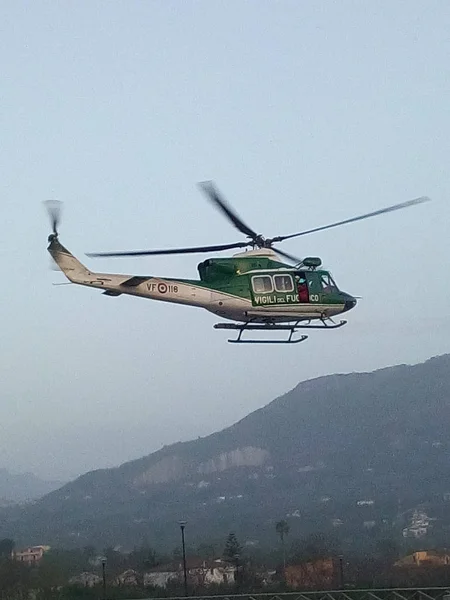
(327,283)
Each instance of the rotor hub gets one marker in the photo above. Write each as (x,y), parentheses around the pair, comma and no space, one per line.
(261,242)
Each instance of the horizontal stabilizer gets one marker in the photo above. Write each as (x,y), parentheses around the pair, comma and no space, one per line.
(134,281)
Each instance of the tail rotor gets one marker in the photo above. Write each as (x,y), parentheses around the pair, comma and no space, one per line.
(54,212)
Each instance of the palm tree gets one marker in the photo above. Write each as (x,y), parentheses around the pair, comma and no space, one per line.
(282,529)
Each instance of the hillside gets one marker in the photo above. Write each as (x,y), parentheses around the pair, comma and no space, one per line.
(351,455)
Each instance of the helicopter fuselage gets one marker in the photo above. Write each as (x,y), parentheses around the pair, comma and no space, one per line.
(253,286)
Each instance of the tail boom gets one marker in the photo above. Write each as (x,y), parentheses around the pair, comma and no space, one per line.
(154,288)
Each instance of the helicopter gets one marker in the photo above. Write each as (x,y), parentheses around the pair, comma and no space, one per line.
(255,289)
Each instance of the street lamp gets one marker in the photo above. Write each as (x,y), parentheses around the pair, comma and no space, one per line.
(182,525)
(104,576)
(236,569)
(341,571)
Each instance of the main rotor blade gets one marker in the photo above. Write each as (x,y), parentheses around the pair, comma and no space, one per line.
(353,219)
(198,249)
(212,193)
(294,259)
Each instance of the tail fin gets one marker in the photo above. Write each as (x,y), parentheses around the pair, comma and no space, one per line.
(69,265)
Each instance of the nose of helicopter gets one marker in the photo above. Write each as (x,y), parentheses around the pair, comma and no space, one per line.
(349,303)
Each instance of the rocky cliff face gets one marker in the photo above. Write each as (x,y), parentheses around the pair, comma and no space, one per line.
(240,457)
(174,468)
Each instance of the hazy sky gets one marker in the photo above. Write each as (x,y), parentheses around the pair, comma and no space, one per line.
(302,112)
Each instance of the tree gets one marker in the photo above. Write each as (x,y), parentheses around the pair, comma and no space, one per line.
(232,550)
(232,554)
(14,580)
(47,578)
(65,562)
(282,529)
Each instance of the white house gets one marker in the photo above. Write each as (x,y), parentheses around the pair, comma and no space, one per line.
(200,572)
(85,579)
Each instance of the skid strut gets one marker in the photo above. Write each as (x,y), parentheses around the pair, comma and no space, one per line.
(261,327)
(271,327)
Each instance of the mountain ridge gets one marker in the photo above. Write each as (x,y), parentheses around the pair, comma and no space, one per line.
(22,487)
(345,437)
(300,386)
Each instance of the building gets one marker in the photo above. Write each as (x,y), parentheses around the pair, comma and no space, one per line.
(128,578)
(424,558)
(32,555)
(418,528)
(85,579)
(199,573)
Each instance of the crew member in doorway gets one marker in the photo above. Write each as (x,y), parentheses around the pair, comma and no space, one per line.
(303,295)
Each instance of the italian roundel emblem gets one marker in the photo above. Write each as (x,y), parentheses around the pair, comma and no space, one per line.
(162,288)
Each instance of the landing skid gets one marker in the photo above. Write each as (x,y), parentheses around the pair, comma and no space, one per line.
(249,326)
(324,325)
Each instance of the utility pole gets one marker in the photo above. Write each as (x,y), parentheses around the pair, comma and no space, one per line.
(104,576)
(341,572)
(182,525)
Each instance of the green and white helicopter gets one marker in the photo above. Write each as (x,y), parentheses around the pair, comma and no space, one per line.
(254,288)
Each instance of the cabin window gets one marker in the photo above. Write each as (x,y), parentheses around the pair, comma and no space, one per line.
(262,284)
(283,283)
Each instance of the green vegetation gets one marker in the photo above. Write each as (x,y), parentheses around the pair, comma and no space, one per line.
(282,529)
(232,552)
(255,571)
